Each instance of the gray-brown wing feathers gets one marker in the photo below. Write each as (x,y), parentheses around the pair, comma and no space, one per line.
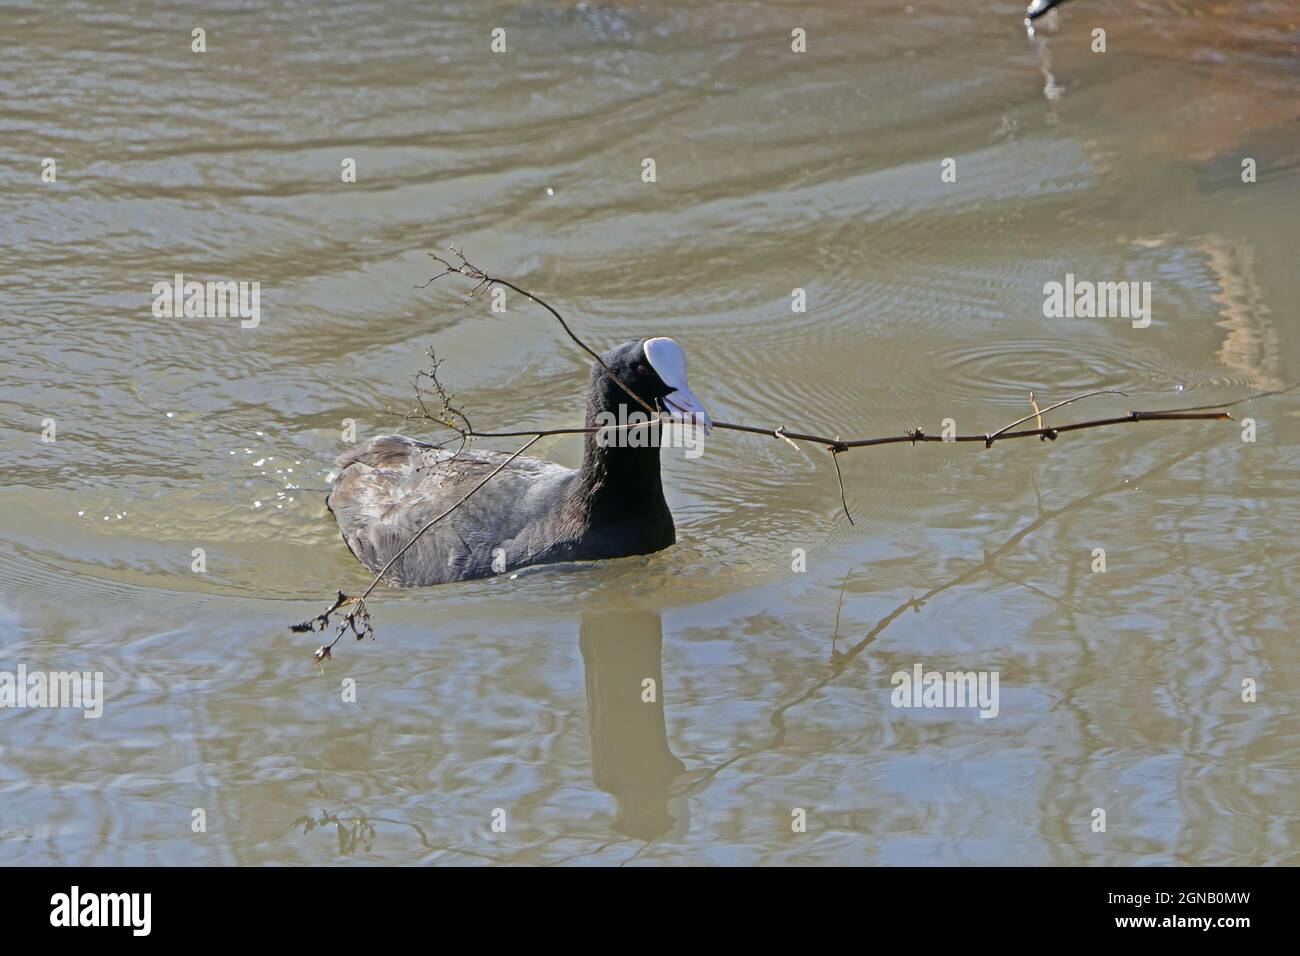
(388,488)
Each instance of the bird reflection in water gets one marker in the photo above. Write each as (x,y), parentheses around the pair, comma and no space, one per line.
(630,756)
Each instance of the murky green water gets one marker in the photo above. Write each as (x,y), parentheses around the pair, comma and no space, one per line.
(819,171)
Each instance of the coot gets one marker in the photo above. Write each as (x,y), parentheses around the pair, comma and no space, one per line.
(533,511)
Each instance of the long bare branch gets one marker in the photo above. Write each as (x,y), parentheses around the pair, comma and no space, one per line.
(355,616)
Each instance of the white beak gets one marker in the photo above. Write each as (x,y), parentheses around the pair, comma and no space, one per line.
(669,362)
(685,407)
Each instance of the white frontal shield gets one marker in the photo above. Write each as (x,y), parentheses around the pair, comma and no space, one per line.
(669,362)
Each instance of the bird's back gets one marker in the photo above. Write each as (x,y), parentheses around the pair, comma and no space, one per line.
(390,487)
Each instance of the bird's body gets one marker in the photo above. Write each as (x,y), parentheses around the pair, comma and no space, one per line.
(530,512)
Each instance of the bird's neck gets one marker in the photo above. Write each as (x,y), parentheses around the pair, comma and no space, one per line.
(615,505)
(615,479)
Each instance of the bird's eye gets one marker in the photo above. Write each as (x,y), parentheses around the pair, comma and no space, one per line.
(642,369)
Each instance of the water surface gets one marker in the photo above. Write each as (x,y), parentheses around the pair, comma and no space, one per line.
(775,171)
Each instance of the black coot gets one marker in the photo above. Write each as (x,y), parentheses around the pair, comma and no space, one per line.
(534,511)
